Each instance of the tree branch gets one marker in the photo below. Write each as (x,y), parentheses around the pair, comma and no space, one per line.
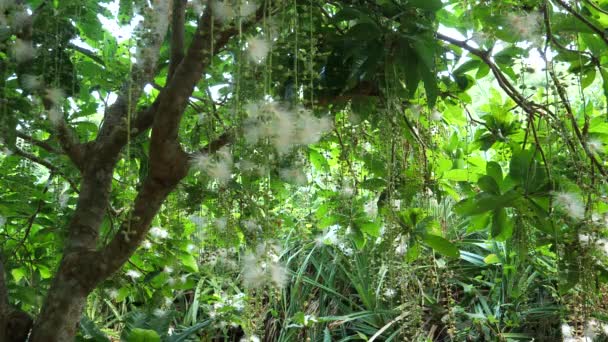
(42,144)
(134,229)
(52,168)
(584,20)
(88,53)
(177,35)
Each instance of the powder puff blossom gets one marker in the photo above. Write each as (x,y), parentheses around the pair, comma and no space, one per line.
(595,146)
(221,223)
(146,244)
(247,8)
(159,233)
(251,226)
(436,116)
(293,175)
(283,128)
(390,293)
(23,50)
(526,26)
(55,116)
(278,275)
(571,204)
(258,49)
(197,220)
(223,11)
(159,312)
(55,95)
(252,338)
(329,236)
(133,274)
(219,168)
(113,293)
(253,274)
(310,128)
(30,82)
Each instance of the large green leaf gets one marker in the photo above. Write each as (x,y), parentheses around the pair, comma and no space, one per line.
(441,245)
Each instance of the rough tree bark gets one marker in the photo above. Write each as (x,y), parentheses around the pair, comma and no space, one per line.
(84,263)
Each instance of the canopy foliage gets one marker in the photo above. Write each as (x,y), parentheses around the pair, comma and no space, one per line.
(303,169)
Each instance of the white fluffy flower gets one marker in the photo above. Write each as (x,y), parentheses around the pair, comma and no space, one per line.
(278,275)
(159,312)
(257,48)
(221,223)
(293,175)
(371,208)
(113,293)
(168,269)
(159,233)
(329,236)
(2,220)
(23,50)
(401,248)
(197,220)
(252,338)
(247,8)
(566,330)
(310,128)
(251,226)
(253,274)
(63,200)
(595,146)
(133,274)
(30,82)
(55,116)
(223,11)
(526,26)
(219,169)
(571,204)
(389,293)
(55,95)
(436,116)
(146,244)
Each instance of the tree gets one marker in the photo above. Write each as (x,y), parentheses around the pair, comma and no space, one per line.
(385,55)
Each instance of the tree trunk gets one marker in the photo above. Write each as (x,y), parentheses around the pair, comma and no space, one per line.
(58,321)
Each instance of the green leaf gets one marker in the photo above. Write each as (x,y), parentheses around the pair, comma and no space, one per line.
(499,218)
(491,259)
(427,5)
(143,335)
(318,160)
(494,170)
(189,262)
(441,245)
(457,175)
(488,184)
